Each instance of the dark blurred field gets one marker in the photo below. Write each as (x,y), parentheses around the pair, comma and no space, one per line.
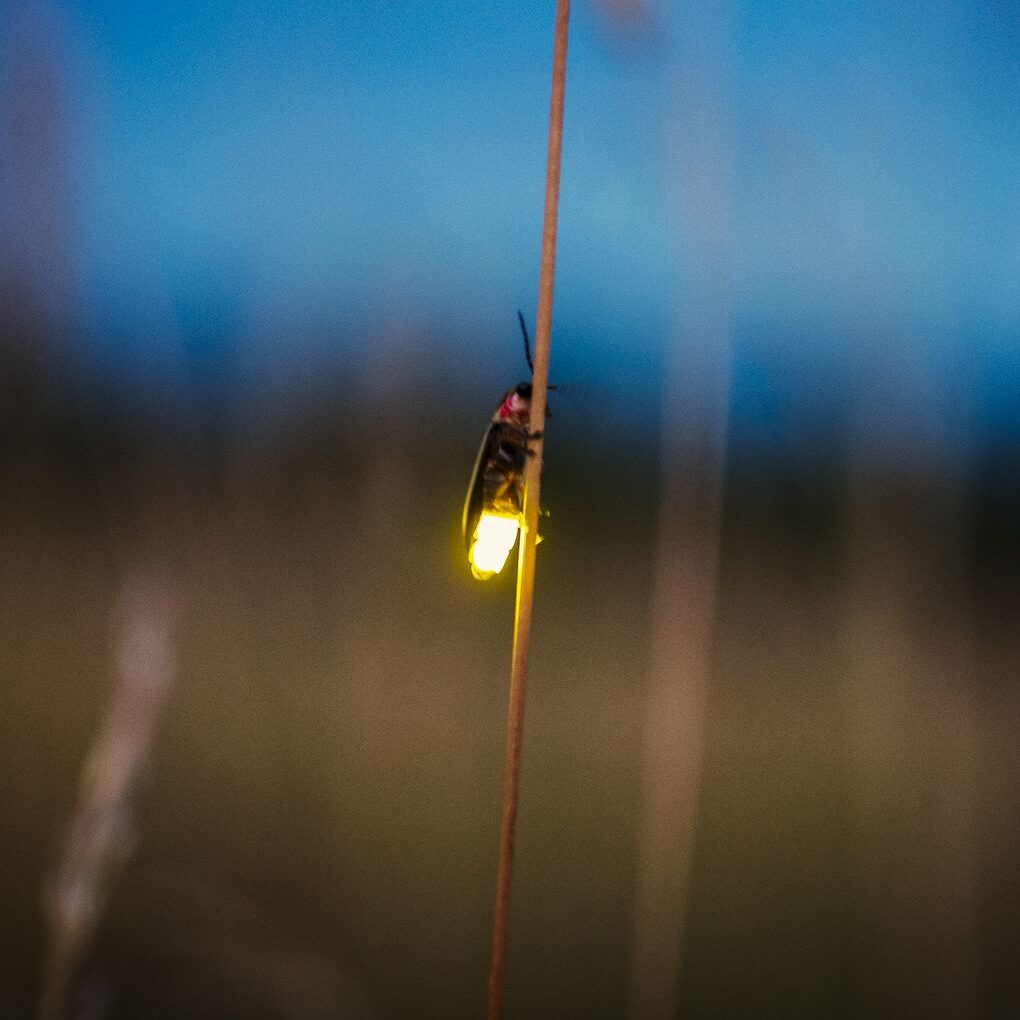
(317,834)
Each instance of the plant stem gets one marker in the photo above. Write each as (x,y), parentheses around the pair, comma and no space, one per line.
(529,531)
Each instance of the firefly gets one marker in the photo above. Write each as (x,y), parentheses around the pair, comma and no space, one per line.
(494,506)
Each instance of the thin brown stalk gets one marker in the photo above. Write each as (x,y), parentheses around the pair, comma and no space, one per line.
(532,502)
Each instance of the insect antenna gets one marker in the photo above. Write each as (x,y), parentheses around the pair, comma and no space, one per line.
(527,347)
(527,341)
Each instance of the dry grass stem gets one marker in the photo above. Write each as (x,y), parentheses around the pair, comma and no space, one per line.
(529,532)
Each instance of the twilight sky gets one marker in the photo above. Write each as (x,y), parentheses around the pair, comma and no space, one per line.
(277,169)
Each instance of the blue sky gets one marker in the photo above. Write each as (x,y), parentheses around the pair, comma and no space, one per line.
(326,153)
(329,162)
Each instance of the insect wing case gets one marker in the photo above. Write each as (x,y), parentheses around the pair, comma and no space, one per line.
(475,501)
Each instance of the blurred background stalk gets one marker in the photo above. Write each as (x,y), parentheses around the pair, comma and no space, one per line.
(696,396)
(102,829)
(913,722)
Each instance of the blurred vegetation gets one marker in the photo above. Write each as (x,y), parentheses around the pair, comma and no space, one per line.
(318,828)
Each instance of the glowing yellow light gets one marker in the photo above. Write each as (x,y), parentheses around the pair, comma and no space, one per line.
(493,539)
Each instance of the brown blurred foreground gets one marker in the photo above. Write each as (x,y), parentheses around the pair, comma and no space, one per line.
(316,832)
